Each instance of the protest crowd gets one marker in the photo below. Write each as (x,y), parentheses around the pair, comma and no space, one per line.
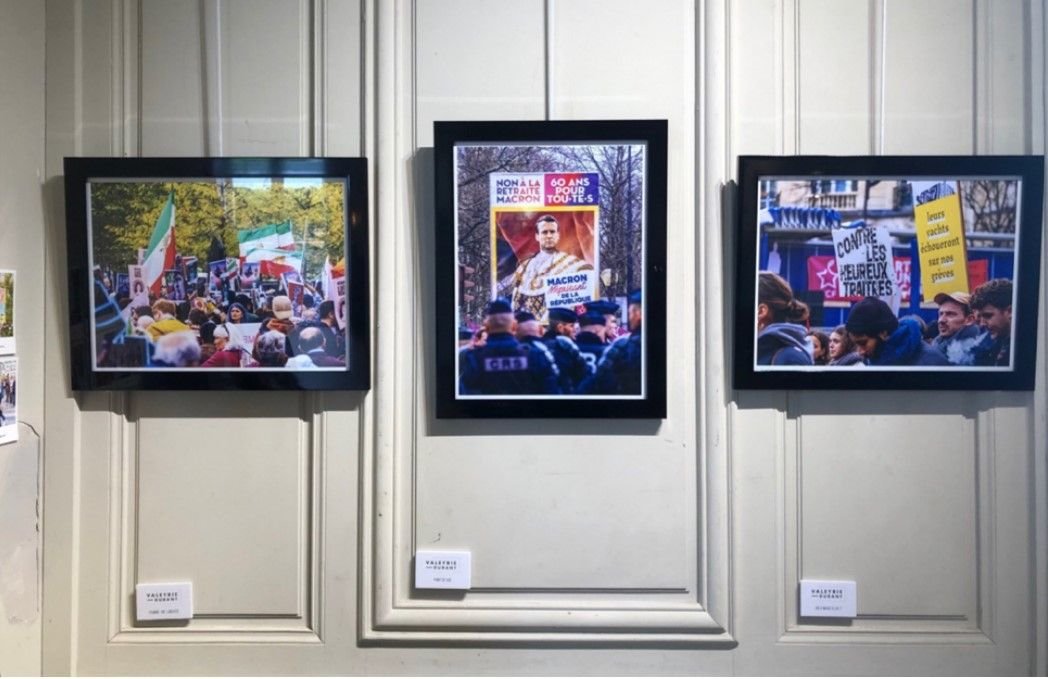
(229,321)
(581,350)
(973,330)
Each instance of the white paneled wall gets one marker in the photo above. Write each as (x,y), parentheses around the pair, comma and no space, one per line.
(603,547)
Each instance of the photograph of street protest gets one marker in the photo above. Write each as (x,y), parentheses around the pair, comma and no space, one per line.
(551,290)
(873,273)
(218,274)
(7,312)
(8,403)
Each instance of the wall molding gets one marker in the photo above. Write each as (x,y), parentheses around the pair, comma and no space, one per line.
(391,612)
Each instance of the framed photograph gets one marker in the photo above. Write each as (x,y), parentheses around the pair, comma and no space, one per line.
(7,312)
(888,272)
(551,269)
(8,399)
(218,273)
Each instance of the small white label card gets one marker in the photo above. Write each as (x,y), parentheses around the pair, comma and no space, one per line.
(164,601)
(828,599)
(442,570)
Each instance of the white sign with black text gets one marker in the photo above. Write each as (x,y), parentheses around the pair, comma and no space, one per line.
(442,570)
(164,601)
(828,599)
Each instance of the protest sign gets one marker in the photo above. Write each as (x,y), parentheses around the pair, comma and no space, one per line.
(340,300)
(865,266)
(545,246)
(136,280)
(939,223)
(175,283)
(295,292)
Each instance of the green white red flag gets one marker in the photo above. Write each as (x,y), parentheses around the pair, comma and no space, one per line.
(160,253)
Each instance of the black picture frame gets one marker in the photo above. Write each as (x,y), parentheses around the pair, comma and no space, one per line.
(795,207)
(558,139)
(83,178)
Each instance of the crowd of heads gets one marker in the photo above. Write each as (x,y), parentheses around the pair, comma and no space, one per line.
(221,330)
(972,329)
(580,350)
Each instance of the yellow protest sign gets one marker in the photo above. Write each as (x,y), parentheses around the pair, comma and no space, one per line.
(941,246)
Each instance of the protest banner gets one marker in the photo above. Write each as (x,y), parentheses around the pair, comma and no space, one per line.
(8,405)
(939,223)
(865,266)
(545,239)
(822,276)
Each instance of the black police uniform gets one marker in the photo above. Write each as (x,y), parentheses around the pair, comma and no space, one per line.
(619,371)
(591,346)
(505,366)
(571,364)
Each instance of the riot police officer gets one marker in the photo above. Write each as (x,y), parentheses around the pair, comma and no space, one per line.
(619,371)
(502,365)
(590,339)
(610,311)
(559,339)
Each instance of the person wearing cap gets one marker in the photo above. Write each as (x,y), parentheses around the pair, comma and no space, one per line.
(883,339)
(281,321)
(992,304)
(958,331)
(619,369)
(591,338)
(560,340)
(610,310)
(502,365)
(529,280)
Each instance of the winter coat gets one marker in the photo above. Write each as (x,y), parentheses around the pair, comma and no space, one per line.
(784,344)
(959,347)
(906,346)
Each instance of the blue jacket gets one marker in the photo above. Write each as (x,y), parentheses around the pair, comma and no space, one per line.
(505,366)
(906,346)
(783,344)
(618,371)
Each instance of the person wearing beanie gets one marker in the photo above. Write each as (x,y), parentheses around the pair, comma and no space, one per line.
(781,337)
(883,339)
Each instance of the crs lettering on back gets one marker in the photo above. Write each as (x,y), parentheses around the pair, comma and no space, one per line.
(505,364)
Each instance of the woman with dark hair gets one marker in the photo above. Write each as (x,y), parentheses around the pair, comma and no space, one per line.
(206,337)
(842,349)
(820,343)
(781,339)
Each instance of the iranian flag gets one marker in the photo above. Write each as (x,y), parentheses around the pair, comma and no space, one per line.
(160,253)
(273,262)
(270,237)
